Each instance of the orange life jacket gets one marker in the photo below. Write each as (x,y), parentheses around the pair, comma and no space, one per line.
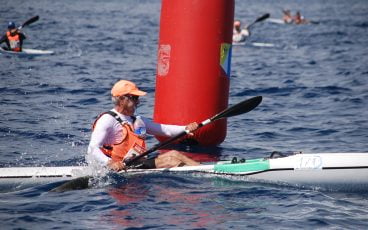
(14,41)
(130,146)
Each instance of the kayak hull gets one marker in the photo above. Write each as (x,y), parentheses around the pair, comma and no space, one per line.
(353,179)
(27,52)
(334,171)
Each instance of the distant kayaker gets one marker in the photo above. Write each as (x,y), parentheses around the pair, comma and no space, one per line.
(299,19)
(287,18)
(239,34)
(119,135)
(13,38)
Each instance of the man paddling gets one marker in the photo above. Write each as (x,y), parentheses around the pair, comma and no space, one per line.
(119,136)
(13,38)
(299,19)
(287,18)
(239,34)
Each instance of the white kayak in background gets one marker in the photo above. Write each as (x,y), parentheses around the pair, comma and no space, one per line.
(255,44)
(276,21)
(262,44)
(281,21)
(27,52)
(332,171)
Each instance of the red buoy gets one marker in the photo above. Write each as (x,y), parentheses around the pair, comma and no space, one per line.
(193,69)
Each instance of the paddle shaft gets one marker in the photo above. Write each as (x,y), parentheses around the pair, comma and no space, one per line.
(240,108)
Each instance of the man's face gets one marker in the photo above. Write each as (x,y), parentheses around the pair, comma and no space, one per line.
(129,104)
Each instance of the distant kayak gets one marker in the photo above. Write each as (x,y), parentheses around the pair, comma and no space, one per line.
(276,21)
(261,44)
(256,44)
(280,21)
(27,52)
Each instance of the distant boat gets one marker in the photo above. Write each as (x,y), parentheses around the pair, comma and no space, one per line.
(281,21)
(27,52)
(256,44)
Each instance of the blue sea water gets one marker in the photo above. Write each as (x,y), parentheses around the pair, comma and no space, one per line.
(314,82)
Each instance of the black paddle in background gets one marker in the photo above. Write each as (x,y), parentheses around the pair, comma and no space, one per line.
(29,21)
(237,109)
(260,19)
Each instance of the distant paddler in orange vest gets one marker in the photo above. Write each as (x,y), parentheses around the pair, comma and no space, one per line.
(118,135)
(13,38)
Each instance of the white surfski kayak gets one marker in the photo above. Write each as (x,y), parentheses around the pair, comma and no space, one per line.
(335,171)
(276,21)
(27,52)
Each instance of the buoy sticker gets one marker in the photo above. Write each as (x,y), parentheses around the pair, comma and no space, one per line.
(225,57)
(163,63)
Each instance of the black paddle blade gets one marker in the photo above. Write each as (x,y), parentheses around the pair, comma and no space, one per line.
(74,184)
(265,16)
(240,108)
(30,21)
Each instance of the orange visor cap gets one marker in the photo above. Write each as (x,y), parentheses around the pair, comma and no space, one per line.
(124,87)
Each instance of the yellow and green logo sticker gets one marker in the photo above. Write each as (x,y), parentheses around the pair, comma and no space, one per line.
(225,57)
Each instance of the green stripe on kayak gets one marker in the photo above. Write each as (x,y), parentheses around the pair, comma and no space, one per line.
(249,166)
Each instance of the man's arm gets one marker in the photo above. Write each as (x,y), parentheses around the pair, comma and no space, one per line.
(154,128)
(3,39)
(98,139)
(22,36)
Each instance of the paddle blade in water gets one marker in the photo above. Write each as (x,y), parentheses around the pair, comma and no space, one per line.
(74,184)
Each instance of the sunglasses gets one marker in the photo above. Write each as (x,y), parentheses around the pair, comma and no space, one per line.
(132,97)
